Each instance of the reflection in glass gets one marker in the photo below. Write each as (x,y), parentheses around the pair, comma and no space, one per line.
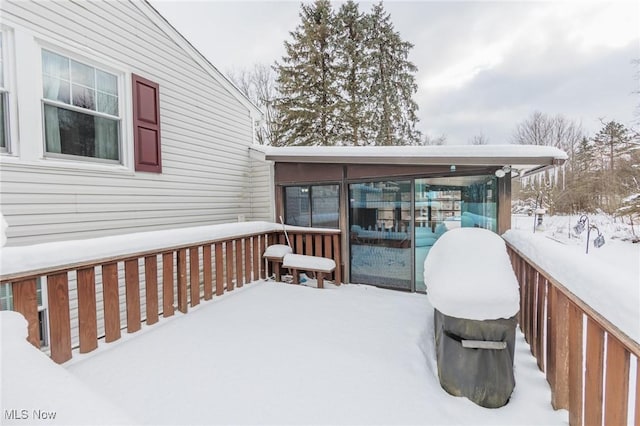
(74,133)
(316,206)
(380,234)
(442,204)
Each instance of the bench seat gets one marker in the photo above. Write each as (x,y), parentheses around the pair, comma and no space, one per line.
(319,265)
(275,254)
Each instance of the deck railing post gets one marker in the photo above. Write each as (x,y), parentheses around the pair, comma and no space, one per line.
(59,318)
(25,301)
(87,315)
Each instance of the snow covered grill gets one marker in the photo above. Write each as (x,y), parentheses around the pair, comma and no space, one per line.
(474,314)
(319,265)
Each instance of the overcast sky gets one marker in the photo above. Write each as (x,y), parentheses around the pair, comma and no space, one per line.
(483,67)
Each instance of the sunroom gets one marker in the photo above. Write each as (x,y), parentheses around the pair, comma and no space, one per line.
(392,204)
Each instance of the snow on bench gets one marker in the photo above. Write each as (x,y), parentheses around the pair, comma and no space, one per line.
(275,253)
(319,265)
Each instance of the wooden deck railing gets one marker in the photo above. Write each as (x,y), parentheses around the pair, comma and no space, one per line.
(173,278)
(571,342)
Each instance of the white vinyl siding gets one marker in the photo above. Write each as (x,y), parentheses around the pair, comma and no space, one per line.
(207,174)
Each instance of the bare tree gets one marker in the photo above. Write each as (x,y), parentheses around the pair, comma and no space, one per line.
(479,139)
(437,140)
(259,85)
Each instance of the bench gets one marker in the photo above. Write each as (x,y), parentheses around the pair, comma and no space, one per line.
(274,254)
(319,265)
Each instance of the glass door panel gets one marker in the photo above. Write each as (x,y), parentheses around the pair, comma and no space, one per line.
(380,233)
(442,204)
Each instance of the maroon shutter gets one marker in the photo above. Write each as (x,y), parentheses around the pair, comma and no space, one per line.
(146,125)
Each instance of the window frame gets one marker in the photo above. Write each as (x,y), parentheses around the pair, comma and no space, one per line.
(6,87)
(120,118)
(309,199)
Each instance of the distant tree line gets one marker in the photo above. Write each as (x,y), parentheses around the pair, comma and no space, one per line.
(602,172)
(346,79)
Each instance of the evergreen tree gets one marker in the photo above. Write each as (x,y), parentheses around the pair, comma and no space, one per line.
(392,83)
(307,80)
(611,144)
(353,72)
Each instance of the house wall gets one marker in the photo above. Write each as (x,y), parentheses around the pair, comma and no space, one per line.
(207,174)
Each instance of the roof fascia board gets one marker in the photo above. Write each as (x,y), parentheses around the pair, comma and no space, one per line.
(162,23)
(475,161)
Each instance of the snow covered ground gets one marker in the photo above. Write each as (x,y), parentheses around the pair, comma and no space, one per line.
(607,278)
(273,353)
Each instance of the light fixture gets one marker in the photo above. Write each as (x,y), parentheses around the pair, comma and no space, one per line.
(453,168)
(579,228)
(500,173)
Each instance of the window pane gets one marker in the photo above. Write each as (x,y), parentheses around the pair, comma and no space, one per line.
(83,74)
(55,65)
(3,137)
(56,89)
(107,104)
(1,64)
(83,97)
(297,205)
(6,299)
(325,206)
(107,83)
(75,133)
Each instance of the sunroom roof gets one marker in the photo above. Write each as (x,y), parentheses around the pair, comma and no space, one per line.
(520,156)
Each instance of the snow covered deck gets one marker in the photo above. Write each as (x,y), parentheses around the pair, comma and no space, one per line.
(272,353)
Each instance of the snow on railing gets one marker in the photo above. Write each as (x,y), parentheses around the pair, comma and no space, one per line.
(97,287)
(586,357)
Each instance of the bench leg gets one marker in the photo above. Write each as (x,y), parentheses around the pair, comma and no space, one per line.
(294,272)
(276,268)
(320,277)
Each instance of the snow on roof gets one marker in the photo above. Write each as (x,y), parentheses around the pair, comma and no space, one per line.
(468,275)
(524,155)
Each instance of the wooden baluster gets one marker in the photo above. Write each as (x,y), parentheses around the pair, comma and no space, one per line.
(182,281)
(228,252)
(308,245)
(111,297)
(551,337)
(132,294)
(263,247)
(533,314)
(317,245)
(87,316)
(337,258)
(59,318)
(636,421)
(247,260)
(299,244)
(206,270)
(194,275)
(594,374)
(560,392)
(255,243)
(151,288)
(219,270)
(239,262)
(25,301)
(168,297)
(617,383)
(542,304)
(575,365)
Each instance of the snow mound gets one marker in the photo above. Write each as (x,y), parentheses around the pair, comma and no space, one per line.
(468,275)
(277,250)
(35,389)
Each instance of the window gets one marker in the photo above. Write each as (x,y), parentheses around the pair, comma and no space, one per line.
(4,95)
(316,206)
(81,113)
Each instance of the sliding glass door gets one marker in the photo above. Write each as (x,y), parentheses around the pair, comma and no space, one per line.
(442,204)
(380,233)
